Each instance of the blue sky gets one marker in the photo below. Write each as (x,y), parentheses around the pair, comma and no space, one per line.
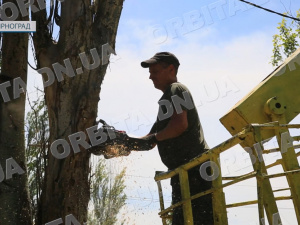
(224,54)
(230,17)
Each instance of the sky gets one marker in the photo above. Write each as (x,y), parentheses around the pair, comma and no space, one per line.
(224,48)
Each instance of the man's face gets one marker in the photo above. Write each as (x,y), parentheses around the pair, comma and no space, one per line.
(161,75)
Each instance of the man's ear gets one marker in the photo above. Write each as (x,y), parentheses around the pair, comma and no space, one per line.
(173,70)
(170,67)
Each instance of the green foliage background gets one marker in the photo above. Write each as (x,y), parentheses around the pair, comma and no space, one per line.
(287,41)
(107,192)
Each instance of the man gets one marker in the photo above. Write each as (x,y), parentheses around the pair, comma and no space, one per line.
(179,137)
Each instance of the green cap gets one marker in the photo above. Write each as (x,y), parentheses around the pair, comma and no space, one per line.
(166,57)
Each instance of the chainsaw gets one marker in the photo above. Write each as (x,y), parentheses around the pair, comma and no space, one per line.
(115,144)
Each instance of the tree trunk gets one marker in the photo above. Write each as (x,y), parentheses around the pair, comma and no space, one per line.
(72,103)
(14,195)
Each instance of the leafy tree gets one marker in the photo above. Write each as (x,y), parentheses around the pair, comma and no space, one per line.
(36,150)
(72,104)
(287,41)
(107,194)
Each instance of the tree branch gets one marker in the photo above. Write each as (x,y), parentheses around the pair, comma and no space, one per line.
(42,37)
(107,20)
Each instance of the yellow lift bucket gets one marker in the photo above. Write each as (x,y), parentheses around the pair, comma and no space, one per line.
(276,99)
(279,92)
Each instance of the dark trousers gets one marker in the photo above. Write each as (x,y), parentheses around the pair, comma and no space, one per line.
(201,207)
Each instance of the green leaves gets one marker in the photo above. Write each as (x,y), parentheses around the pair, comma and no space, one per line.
(286,42)
(276,57)
(107,191)
(37,140)
(107,195)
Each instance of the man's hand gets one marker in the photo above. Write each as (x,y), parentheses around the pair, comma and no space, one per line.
(142,144)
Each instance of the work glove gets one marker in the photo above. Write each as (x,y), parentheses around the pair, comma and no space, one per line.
(142,144)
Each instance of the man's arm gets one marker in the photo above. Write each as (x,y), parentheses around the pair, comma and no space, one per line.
(176,126)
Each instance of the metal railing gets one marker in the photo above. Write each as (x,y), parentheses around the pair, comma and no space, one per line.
(249,136)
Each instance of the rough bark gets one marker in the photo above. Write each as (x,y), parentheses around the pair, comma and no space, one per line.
(72,104)
(14,195)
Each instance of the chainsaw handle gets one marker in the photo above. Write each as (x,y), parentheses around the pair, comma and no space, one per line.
(103,122)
